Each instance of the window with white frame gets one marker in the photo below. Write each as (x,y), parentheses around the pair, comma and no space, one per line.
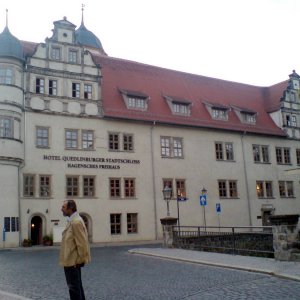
(227,188)
(88,186)
(249,118)
(181,108)
(55,53)
(28,185)
(115,224)
(45,185)
(171,147)
(87,138)
(73,54)
(286,189)
(6,75)
(219,114)
(75,90)
(224,151)
(52,87)
(283,155)
(136,102)
(260,153)
(132,223)
(115,187)
(6,127)
(127,142)
(87,93)
(72,186)
(71,138)
(42,137)
(180,188)
(264,189)
(40,85)
(168,182)
(129,187)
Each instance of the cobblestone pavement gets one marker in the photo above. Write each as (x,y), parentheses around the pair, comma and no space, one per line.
(115,274)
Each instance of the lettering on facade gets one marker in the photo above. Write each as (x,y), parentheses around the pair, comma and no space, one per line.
(92,162)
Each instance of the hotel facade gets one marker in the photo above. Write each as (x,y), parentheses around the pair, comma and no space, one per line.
(110,133)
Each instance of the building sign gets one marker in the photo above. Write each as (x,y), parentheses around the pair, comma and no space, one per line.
(92,162)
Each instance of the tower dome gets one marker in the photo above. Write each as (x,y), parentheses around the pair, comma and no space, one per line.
(10,46)
(87,38)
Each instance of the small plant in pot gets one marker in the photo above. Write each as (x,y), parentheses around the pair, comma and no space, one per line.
(48,240)
(27,243)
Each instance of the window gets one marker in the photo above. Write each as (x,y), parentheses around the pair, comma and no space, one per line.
(180,108)
(129,187)
(127,142)
(11,224)
(264,189)
(6,127)
(260,154)
(286,188)
(132,226)
(6,76)
(227,188)
(28,185)
(249,118)
(71,138)
(73,56)
(115,187)
(45,186)
(283,155)
(113,141)
(52,87)
(75,90)
(224,151)
(42,137)
(219,114)
(171,147)
(291,121)
(87,139)
(87,91)
(115,223)
(298,156)
(136,103)
(72,186)
(88,186)
(55,53)
(40,85)
(168,183)
(180,188)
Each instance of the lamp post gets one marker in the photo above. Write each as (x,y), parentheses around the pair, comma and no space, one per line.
(204,193)
(167,192)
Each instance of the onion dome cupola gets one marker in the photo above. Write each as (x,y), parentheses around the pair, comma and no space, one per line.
(10,46)
(87,38)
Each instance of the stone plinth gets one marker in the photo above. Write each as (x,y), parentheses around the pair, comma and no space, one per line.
(167,224)
(285,236)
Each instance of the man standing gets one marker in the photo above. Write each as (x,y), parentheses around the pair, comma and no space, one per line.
(75,250)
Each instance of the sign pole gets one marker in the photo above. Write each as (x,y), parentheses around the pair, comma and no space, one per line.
(178,216)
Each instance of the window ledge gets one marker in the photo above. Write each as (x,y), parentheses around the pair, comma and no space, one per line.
(288,197)
(264,198)
(229,198)
(262,162)
(226,160)
(283,164)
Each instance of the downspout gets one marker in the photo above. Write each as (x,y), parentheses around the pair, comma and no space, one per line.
(153,181)
(246,180)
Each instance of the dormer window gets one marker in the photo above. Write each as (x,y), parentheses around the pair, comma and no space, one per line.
(291,121)
(249,117)
(178,106)
(217,111)
(245,115)
(135,100)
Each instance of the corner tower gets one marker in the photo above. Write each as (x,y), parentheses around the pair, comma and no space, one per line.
(11,134)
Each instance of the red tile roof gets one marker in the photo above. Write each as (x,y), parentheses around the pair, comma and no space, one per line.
(120,74)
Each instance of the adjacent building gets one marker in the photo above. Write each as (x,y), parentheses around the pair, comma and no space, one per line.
(110,133)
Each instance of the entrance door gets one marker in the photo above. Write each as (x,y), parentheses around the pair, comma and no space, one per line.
(265,218)
(36,230)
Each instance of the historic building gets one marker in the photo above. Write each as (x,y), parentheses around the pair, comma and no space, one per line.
(112,133)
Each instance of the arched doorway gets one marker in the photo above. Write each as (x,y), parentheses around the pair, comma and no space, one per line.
(36,230)
(88,224)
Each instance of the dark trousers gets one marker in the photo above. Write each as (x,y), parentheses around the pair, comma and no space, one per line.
(73,278)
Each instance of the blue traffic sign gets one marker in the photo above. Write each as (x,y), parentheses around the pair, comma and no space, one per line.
(218,208)
(203,201)
(181,199)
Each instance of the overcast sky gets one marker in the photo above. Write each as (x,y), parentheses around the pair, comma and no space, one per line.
(249,41)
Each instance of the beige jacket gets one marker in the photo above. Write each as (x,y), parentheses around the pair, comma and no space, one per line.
(75,247)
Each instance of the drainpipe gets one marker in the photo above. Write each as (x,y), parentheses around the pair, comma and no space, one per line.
(153,180)
(246,180)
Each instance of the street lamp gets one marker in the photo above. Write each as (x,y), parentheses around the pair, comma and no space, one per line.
(167,192)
